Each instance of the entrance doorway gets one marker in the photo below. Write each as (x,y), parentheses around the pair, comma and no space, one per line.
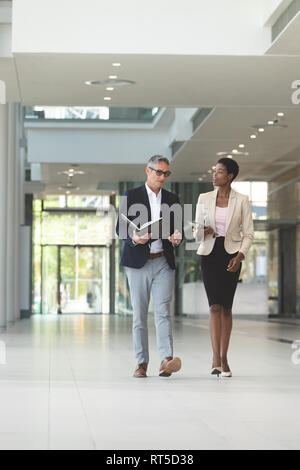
(75,279)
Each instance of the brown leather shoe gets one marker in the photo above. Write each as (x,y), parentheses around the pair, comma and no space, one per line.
(140,371)
(169,365)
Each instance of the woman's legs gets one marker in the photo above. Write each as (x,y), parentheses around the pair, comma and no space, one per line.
(220,332)
(226,327)
(215,333)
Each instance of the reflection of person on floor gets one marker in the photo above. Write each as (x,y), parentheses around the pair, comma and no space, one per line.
(150,266)
(222,249)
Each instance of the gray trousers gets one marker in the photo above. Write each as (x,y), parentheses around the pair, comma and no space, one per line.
(158,277)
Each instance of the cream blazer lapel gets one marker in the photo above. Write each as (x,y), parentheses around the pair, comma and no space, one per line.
(208,201)
(211,209)
(231,206)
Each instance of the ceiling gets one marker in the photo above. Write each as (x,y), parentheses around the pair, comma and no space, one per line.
(274,151)
(243,90)
(170,81)
(96,178)
(288,42)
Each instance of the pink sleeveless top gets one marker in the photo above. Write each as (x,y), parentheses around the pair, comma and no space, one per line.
(221,215)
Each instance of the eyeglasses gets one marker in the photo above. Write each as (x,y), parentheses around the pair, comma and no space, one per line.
(160,172)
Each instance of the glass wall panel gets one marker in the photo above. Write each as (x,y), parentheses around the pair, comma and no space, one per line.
(91,113)
(84,280)
(190,293)
(122,298)
(37,257)
(68,277)
(76,229)
(58,229)
(49,279)
(101,202)
(71,258)
(76,202)
(273,270)
(55,202)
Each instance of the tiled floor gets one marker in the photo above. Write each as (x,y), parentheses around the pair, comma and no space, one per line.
(67,384)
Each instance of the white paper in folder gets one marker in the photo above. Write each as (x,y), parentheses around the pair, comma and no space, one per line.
(154,226)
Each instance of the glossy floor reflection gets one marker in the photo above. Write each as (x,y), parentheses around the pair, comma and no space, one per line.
(67,384)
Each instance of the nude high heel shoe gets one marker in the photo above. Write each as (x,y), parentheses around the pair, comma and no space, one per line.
(226,374)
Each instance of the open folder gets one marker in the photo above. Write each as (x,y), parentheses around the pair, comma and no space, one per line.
(154,227)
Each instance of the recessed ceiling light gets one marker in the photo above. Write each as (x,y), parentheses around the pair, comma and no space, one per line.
(261,129)
(280,114)
(112,81)
(241,146)
(253,136)
(116,64)
(110,88)
(71,172)
(271,125)
(234,151)
(229,156)
(107,98)
(240,154)
(213,167)
(200,179)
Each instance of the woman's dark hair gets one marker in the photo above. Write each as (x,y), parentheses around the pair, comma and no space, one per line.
(231,166)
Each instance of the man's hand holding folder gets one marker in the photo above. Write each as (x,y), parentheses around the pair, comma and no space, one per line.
(139,236)
(141,240)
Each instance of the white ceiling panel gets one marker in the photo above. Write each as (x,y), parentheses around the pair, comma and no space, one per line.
(171,81)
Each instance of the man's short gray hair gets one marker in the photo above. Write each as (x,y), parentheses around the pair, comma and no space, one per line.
(157,159)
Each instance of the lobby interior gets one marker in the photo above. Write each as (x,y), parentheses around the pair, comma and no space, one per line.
(81,112)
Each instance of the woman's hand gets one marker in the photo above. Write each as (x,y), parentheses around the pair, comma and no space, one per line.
(208,230)
(234,263)
(176,238)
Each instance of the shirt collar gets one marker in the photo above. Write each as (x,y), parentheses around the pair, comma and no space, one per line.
(151,193)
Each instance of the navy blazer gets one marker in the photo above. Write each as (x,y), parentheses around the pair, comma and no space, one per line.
(136,256)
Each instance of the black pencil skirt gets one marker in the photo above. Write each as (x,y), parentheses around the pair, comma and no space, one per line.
(220,285)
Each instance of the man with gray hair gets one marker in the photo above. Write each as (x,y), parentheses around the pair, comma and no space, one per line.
(150,264)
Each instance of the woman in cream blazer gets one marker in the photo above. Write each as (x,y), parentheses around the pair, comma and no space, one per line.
(222,215)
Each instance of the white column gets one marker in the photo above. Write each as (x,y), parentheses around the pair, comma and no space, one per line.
(22,156)
(11,190)
(3,201)
(17,222)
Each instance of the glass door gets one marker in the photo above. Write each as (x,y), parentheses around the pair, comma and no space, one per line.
(84,279)
(50,271)
(67,280)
